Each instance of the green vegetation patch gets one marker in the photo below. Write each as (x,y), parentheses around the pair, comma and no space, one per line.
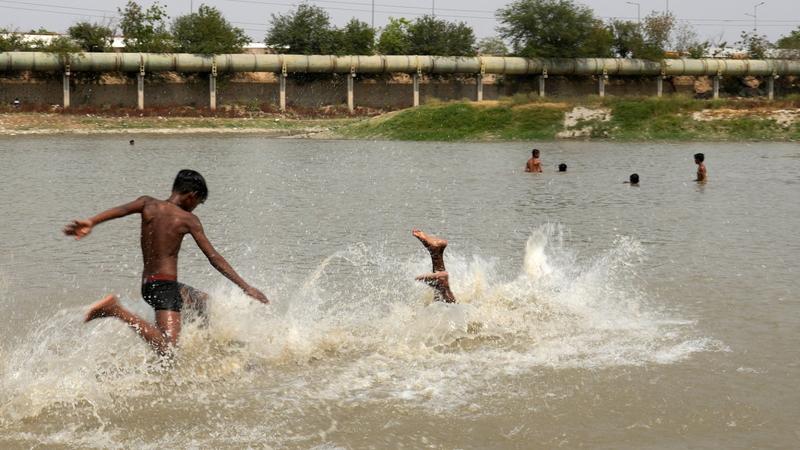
(463,121)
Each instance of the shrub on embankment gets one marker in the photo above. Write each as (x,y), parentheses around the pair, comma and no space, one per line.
(668,118)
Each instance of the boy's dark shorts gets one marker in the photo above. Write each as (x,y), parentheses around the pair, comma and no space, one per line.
(163,295)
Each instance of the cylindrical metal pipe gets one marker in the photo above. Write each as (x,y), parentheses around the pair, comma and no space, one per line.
(183,62)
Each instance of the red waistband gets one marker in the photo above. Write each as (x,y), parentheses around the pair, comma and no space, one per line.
(159,277)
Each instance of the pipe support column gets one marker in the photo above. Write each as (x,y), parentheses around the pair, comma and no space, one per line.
(660,86)
(716,86)
(212,92)
(140,91)
(282,93)
(542,92)
(415,80)
(350,101)
(66,89)
(601,84)
(479,88)
(771,87)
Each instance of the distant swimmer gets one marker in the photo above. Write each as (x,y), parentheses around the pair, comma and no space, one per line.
(702,175)
(164,224)
(131,142)
(438,279)
(633,180)
(534,164)
(562,167)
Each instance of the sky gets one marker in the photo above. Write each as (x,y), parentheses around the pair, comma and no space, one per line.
(716,20)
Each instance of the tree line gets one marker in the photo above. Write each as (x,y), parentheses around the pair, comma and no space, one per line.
(532,28)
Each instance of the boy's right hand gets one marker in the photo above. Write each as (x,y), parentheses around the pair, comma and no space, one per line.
(256,294)
(78,228)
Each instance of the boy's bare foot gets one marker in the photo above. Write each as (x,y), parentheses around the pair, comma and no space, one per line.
(432,243)
(102,308)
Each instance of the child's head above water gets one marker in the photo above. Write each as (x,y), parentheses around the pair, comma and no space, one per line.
(188,181)
(562,167)
(535,153)
(634,178)
(699,157)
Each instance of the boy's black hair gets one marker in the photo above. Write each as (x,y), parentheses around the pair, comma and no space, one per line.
(562,167)
(699,157)
(534,151)
(634,178)
(190,181)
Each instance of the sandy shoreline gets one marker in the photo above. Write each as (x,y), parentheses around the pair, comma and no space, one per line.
(33,124)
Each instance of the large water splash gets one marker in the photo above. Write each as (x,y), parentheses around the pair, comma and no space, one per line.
(359,329)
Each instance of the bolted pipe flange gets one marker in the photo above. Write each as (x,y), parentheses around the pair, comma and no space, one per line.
(214,67)
(544,72)
(283,69)
(353,71)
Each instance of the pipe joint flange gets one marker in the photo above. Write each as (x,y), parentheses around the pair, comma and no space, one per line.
(353,71)
(719,74)
(605,74)
(663,74)
(283,69)
(67,68)
(483,67)
(214,68)
(544,73)
(775,75)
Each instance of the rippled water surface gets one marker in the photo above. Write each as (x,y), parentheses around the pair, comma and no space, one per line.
(592,313)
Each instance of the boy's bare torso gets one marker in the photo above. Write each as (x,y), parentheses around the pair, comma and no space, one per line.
(534,165)
(164,225)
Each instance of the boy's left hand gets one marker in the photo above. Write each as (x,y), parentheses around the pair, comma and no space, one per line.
(78,228)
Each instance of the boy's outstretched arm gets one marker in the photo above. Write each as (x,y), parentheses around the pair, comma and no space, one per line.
(219,263)
(81,228)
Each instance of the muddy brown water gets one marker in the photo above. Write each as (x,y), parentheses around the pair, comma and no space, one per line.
(593,313)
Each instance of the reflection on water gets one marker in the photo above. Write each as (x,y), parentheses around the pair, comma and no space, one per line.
(586,305)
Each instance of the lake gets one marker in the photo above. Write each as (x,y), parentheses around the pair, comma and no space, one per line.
(591,313)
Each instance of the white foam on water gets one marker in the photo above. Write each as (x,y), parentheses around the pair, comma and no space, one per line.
(358,330)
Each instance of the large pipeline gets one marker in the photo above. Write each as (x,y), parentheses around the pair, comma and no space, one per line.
(184,62)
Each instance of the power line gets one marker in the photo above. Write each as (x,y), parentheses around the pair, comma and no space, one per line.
(360,10)
(53,12)
(57,6)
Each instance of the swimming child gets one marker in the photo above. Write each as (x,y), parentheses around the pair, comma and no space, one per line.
(438,279)
(164,224)
(633,179)
(702,175)
(562,167)
(534,164)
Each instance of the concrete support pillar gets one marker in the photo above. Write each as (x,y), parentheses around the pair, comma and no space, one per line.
(350,102)
(660,86)
(415,79)
(601,86)
(716,86)
(771,87)
(212,92)
(479,87)
(66,90)
(282,95)
(542,92)
(140,90)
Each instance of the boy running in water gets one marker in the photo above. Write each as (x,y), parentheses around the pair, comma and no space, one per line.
(164,224)
(438,279)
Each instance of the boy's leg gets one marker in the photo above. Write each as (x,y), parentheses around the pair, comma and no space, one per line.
(435,247)
(439,279)
(161,337)
(193,298)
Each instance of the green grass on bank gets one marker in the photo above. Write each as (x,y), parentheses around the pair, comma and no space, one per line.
(667,118)
(462,121)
